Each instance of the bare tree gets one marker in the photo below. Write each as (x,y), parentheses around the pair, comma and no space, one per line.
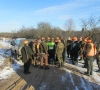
(43,26)
(69,25)
(91,23)
(91,26)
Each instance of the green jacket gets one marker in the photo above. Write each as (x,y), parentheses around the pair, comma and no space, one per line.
(26,51)
(43,47)
(81,47)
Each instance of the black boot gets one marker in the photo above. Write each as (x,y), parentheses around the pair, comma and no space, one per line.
(46,67)
(41,67)
(60,65)
(87,74)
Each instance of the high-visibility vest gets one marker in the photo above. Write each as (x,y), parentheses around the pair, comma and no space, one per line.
(50,45)
(92,51)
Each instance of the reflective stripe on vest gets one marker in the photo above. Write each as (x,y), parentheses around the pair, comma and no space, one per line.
(50,45)
(92,51)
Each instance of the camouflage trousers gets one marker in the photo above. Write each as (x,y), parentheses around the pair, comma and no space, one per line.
(90,65)
(98,62)
(60,59)
(43,59)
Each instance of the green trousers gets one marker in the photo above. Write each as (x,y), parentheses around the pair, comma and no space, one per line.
(90,65)
(98,62)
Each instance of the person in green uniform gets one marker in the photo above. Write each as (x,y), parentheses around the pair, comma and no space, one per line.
(65,49)
(84,52)
(98,57)
(59,52)
(34,49)
(81,47)
(43,50)
(26,57)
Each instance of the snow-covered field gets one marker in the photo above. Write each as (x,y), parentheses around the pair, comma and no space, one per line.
(6,52)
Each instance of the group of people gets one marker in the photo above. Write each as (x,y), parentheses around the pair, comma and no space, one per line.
(52,50)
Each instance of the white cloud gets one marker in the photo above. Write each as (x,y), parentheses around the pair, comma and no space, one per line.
(71,9)
(67,7)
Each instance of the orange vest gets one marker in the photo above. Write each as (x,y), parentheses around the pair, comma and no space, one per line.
(38,45)
(92,51)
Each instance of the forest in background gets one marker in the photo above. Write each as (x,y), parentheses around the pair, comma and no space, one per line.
(90,27)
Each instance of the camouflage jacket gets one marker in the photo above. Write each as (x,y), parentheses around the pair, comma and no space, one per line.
(59,48)
(98,50)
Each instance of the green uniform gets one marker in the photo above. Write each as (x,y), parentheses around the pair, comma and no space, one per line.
(26,50)
(59,52)
(43,47)
(89,59)
(98,56)
(81,49)
(43,54)
(65,49)
(26,58)
(34,49)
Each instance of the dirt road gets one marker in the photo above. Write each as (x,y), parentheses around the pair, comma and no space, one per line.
(69,77)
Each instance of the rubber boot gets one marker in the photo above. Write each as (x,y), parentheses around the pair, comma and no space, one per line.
(60,65)
(46,67)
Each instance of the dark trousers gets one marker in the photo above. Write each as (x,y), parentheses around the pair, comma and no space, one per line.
(64,55)
(68,53)
(74,58)
(85,62)
(90,65)
(27,66)
(51,55)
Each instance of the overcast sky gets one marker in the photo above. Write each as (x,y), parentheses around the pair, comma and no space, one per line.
(17,13)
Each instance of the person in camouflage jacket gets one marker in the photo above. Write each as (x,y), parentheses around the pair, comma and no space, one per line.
(59,52)
(98,57)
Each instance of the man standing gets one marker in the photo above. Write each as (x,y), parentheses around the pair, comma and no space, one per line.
(65,48)
(81,43)
(51,50)
(84,52)
(90,53)
(74,51)
(43,49)
(59,52)
(98,57)
(26,57)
